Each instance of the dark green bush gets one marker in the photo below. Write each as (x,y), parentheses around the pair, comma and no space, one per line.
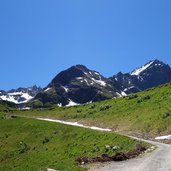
(46,140)
(23,147)
(92,106)
(165,115)
(132,96)
(37,104)
(143,98)
(79,110)
(105,107)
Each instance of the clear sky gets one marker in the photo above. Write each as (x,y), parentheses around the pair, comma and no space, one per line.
(39,38)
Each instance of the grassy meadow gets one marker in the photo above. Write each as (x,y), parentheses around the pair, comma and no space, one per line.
(147,112)
(34,145)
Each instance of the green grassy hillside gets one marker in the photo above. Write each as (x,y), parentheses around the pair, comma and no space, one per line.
(6,106)
(146,112)
(33,145)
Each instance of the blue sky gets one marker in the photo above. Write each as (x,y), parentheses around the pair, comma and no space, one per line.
(39,38)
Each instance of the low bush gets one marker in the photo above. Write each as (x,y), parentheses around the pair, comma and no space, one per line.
(105,107)
(132,96)
(143,98)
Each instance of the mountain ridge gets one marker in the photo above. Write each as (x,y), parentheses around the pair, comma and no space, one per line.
(79,84)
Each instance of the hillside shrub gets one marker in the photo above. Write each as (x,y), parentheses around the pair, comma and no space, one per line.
(49,105)
(46,140)
(165,115)
(23,147)
(132,96)
(79,110)
(37,104)
(105,107)
(92,112)
(92,106)
(143,98)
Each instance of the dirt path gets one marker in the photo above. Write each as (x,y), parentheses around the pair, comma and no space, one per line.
(158,160)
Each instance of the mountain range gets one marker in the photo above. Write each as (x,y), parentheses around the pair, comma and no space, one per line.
(78,85)
(20,95)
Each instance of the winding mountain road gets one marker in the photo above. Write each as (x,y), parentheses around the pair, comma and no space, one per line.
(158,160)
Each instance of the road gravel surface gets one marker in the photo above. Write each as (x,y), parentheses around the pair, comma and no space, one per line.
(158,160)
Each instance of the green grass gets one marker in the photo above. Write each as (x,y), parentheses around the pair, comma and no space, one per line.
(147,112)
(33,145)
(6,106)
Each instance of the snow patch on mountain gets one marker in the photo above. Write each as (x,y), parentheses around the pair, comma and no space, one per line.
(158,64)
(59,105)
(123,93)
(20,95)
(128,88)
(86,82)
(16,97)
(47,89)
(118,95)
(138,71)
(97,73)
(99,82)
(65,88)
(79,78)
(72,103)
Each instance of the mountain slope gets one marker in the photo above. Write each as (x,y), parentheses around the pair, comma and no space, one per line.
(146,113)
(7,106)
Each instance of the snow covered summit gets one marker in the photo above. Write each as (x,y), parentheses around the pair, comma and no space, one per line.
(138,71)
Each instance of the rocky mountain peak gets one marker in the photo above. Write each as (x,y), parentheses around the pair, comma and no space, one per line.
(81,67)
(78,74)
(77,85)
(66,76)
(149,66)
(150,75)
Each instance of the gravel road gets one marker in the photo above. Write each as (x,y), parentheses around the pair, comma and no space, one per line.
(158,160)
